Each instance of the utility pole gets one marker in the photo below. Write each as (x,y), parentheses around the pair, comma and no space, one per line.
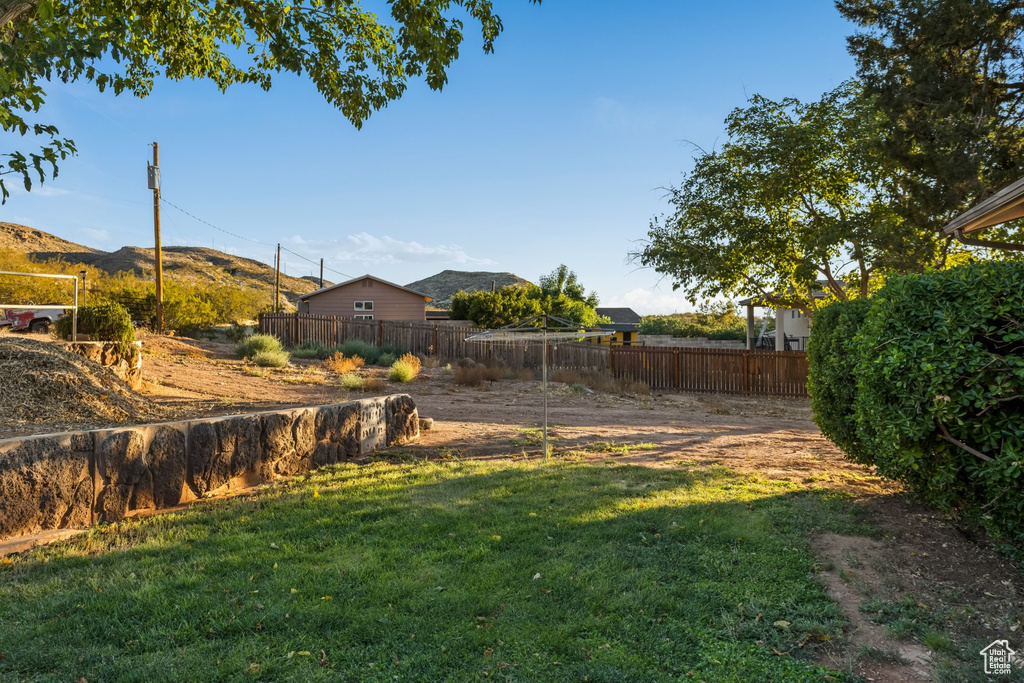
(154,184)
(321,273)
(277,280)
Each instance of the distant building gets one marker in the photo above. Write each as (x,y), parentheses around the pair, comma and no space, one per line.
(620,316)
(366,298)
(624,327)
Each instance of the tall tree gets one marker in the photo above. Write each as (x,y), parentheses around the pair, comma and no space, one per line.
(562,281)
(357,61)
(949,79)
(794,202)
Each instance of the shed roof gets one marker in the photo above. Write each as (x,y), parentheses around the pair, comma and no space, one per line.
(305,297)
(1005,205)
(620,315)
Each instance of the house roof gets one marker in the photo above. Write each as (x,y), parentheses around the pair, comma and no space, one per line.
(625,316)
(305,297)
(1005,205)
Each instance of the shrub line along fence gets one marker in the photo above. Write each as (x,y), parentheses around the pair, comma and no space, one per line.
(727,371)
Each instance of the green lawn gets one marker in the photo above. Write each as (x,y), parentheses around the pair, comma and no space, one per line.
(553,571)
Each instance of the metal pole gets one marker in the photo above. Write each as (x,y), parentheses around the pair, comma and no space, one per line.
(544,379)
(321,273)
(159,253)
(277,281)
(74,315)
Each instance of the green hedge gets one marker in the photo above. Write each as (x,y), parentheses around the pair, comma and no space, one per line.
(939,399)
(832,355)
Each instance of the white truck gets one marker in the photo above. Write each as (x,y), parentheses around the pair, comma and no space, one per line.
(35,320)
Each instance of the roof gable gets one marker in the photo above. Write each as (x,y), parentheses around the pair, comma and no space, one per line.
(624,316)
(306,297)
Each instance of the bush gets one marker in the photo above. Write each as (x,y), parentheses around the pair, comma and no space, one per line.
(356,347)
(385,360)
(253,344)
(403,371)
(352,382)
(268,358)
(340,364)
(103,322)
(940,390)
(832,355)
(311,349)
(237,331)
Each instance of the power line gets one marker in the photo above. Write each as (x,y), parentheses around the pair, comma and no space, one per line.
(227,232)
(249,239)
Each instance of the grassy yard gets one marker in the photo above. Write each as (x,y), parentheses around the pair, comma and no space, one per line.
(508,570)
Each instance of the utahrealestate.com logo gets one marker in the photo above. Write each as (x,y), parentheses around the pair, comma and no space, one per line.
(999,658)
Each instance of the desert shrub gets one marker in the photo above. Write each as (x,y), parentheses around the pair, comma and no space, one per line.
(237,331)
(524,375)
(467,376)
(598,381)
(374,384)
(428,361)
(832,355)
(352,381)
(508,373)
(341,364)
(269,358)
(385,360)
(357,347)
(311,349)
(402,371)
(491,373)
(102,322)
(412,360)
(255,343)
(940,390)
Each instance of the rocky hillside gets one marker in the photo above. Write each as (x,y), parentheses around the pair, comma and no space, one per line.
(446,283)
(183,264)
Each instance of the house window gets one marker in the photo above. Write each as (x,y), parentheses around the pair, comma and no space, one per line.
(364,305)
(363,317)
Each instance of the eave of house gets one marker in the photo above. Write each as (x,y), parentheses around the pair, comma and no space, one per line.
(1005,205)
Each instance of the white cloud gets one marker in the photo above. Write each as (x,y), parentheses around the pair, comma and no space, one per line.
(364,248)
(99,235)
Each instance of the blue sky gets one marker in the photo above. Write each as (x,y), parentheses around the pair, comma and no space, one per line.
(555,149)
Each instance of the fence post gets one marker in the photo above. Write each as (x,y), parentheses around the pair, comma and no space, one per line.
(746,372)
(675,369)
(295,330)
(433,345)
(380,333)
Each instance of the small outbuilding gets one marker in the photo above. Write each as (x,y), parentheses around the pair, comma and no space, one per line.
(366,298)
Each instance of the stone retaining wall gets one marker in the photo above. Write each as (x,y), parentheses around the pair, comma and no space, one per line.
(108,354)
(77,479)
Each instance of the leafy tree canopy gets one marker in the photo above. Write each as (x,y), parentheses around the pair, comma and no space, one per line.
(795,201)
(356,60)
(560,294)
(948,78)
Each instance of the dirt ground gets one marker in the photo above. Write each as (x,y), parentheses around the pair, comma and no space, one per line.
(919,568)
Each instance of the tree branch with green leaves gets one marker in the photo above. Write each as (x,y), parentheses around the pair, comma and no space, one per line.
(358,62)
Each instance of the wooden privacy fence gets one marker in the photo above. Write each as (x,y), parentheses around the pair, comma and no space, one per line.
(725,371)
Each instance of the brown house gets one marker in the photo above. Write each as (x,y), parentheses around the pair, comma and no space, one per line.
(366,298)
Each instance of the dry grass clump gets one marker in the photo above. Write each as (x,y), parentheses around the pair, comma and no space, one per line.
(374,384)
(341,364)
(404,369)
(412,361)
(599,382)
(429,361)
(473,375)
(43,383)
